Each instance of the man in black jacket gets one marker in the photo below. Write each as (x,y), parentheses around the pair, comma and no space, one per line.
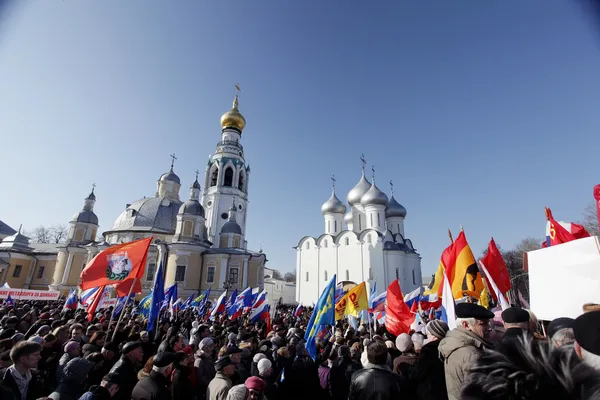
(377,380)
(19,382)
(341,373)
(127,367)
(156,385)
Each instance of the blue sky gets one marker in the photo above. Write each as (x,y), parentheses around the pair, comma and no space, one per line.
(481,112)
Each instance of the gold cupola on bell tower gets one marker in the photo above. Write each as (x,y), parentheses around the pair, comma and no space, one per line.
(233,118)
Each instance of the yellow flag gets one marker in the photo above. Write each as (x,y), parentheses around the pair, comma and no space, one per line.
(353,302)
(484,299)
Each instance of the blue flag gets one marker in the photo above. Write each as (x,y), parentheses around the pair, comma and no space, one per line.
(323,314)
(158,295)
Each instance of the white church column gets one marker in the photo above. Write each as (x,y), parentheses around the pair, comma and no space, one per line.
(65,277)
(223,273)
(245,278)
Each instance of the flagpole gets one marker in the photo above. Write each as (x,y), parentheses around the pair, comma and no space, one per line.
(450,236)
(123,311)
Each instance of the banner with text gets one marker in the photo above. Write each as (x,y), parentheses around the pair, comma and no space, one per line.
(28,294)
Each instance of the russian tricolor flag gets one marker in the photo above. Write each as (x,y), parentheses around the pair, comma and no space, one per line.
(430,301)
(378,303)
(298,311)
(412,299)
(219,306)
(260,299)
(259,313)
(448,314)
(71,302)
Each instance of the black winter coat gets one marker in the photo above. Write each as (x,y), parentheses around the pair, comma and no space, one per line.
(181,385)
(10,391)
(377,383)
(152,387)
(427,374)
(340,377)
(128,371)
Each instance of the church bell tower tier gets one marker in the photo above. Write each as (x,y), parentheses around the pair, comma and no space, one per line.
(226,180)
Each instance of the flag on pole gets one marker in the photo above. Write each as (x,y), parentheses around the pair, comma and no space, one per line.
(465,278)
(9,300)
(118,265)
(496,268)
(298,311)
(157,298)
(558,232)
(353,302)
(323,314)
(499,295)
(398,316)
(97,297)
(71,302)
(448,314)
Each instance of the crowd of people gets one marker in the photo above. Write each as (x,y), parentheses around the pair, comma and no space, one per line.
(49,352)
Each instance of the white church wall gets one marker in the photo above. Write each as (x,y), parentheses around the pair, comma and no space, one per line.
(373,263)
(350,260)
(308,272)
(406,264)
(327,261)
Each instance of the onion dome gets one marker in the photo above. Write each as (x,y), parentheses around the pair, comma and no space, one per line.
(395,209)
(374,196)
(357,192)
(196,184)
(170,176)
(333,205)
(192,207)
(348,218)
(233,118)
(231,227)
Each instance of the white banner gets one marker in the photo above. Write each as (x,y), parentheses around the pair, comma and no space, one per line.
(28,294)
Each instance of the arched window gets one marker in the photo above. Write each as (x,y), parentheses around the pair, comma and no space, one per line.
(328,226)
(347,241)
(187,228)
(378,220)
(335,226)
(347,274)
(370,273)
(241,182)
(306,276)
(414,279)
(368,238)
(214,178)
(325,273)
(228,181)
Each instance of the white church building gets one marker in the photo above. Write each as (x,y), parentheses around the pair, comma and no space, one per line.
(365,241)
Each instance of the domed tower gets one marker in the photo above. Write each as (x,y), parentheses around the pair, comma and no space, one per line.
(354,196)
(168,184)
(190,218)
(84,224)
(231,235)
(375,203)
(333,210)
(227,174)
(395,214)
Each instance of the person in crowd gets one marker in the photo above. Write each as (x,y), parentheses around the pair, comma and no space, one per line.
(427,375)
(72,349)
(587,338)
(128,367)
(204,366)
(221,383)
(377,381)
(73,381)
(95,343)
(560,332)
(256,388)
(181,384)
(462,346)
(20,380)
(108,387)
(402,364)
(155,386)
(516,323)
(341,373)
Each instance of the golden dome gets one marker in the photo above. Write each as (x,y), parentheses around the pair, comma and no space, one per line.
(233,118)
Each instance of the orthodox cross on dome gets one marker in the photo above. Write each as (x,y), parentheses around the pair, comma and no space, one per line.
(197,173)
(392,187)
(237,92)
(333,181)
(93,186)
(373,170)
(173,158)
(364,162)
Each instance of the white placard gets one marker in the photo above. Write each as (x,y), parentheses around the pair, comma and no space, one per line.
(28,294)
(564,277)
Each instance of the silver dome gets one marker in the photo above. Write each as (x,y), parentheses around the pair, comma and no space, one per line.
(395,209)
(192,207)
(348,218)
(333,205)
(170,176)
(358,191)
(154,214)
(374,196)
(231,227)
(196,185)
(85,216)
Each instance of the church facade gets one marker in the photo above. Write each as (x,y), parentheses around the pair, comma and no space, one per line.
(365,241)
(199,240)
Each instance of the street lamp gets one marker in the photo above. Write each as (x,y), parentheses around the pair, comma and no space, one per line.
(228,284)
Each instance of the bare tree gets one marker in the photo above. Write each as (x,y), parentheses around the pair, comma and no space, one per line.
(590,219)
(276,275)
(58,233)
(41,234)
(290,277)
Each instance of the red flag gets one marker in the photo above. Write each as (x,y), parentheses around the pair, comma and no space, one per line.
(560,234)
(597,197)
(118,265)
(496,267)
(398,317)
(92,308)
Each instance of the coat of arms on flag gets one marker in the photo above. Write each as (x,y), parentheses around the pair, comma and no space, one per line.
(119,266)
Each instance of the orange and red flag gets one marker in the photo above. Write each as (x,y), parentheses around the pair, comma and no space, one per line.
(118,265)
(464,275)
(398,316)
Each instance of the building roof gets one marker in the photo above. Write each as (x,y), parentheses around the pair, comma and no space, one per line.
(6,230)
(151,214)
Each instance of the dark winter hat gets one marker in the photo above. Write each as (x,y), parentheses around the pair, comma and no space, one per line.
(515,315)
(130,346)
(222,363)
(111,346)
(163,359)
(558,324)
(472,310)
(233,350)
(438,328)
(113,377)
(587,331)
(77,369)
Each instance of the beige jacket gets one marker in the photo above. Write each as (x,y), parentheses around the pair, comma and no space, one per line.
(460,349)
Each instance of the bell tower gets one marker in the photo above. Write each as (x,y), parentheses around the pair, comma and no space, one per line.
(226,178)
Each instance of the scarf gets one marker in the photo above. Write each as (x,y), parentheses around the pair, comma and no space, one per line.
(21,381)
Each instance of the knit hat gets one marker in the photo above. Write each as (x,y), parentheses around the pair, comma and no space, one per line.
(204,343)
(437,328)
(258,357)
(77,369)
(264,365)
(404,342)
(71,345)
(238,392)
(255,383)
